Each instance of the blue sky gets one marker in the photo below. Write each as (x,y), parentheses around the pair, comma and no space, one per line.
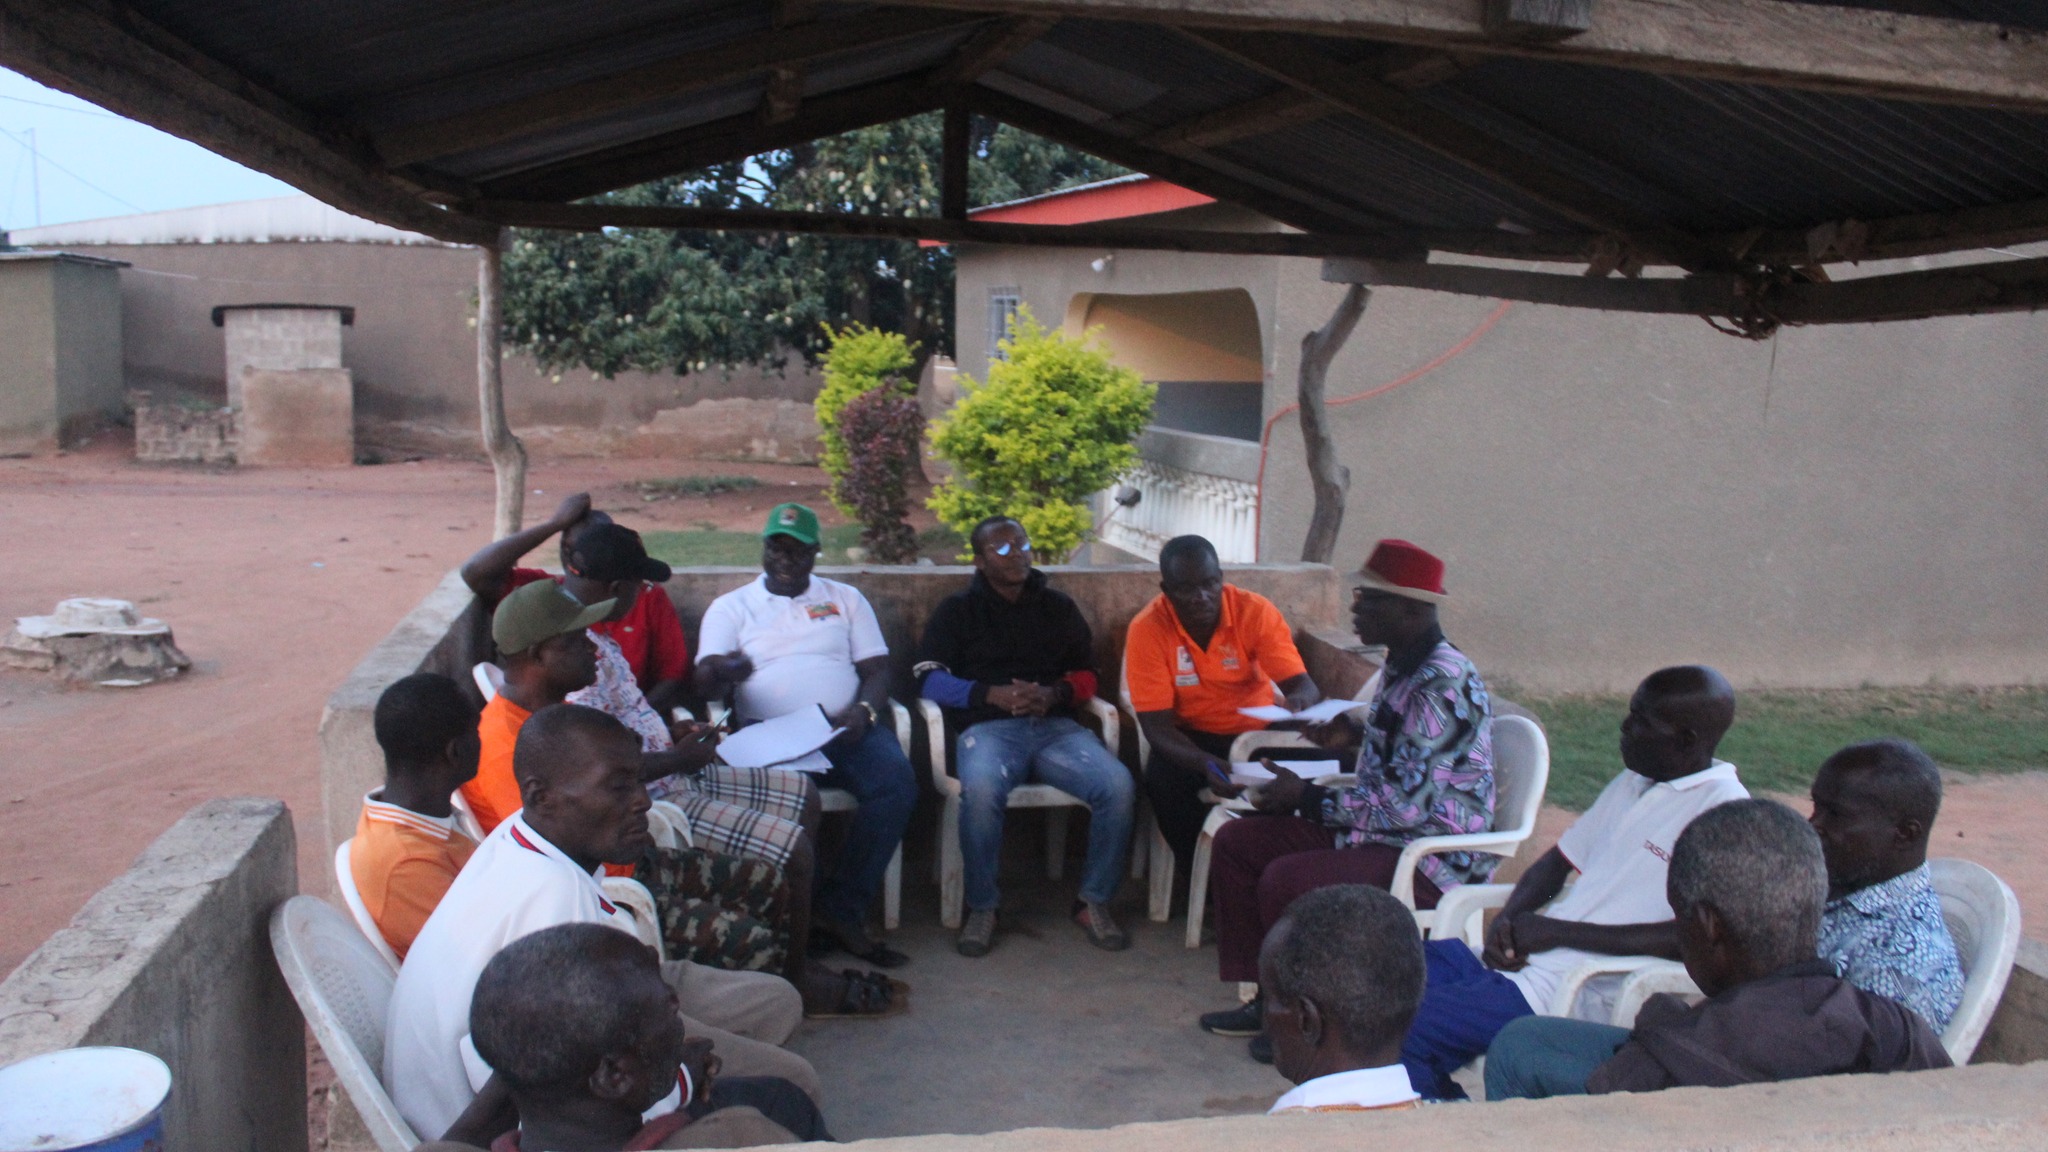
(95,164)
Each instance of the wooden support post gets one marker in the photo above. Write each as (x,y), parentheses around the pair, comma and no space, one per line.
(1327,474)
(953,164)
(508,455)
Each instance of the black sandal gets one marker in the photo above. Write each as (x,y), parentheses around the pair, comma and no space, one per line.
(825,939)
(866,995)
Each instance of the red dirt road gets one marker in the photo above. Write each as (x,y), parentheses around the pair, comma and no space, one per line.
(276,582)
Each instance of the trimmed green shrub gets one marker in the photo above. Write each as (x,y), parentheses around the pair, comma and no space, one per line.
(859,359)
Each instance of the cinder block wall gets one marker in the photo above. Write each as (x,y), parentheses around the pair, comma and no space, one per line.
(173,958)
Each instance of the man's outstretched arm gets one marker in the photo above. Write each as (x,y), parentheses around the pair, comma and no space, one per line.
(486,571)
(1521,931)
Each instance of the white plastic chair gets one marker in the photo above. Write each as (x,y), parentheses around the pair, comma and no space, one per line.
(465,818)
(951,865)
(632,895)
(345,883)
(490,680)
(1983,916)
(840,800)
(343,987)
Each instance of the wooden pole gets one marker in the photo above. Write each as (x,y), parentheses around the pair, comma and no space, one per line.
(953,158)
(508,455)
(1328,475)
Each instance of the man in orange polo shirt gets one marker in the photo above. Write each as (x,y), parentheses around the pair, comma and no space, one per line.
(407,849)
(540,633)
(1194,656)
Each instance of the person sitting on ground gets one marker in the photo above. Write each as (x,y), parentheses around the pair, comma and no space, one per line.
(1342,976)
(1009,659)
(583,1038)
(1620,848)
(1874,806)
(1747,884)
(790,641)
(583,806)
(407,850)
(1425,768)
(1193,659)
(642,674)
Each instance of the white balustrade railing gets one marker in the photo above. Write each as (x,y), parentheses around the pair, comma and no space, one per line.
(1175,502)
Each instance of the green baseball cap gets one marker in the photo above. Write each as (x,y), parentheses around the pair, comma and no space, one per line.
(538,611)
(792,520)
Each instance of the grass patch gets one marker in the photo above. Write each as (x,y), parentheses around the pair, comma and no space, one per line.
(1780,738)
(694,486)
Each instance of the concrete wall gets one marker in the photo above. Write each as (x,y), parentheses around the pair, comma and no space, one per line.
(60,348)
(413,352)
(1838,506)
(173,958)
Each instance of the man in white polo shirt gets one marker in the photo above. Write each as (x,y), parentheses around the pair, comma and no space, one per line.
(579,778)
(1621,849)
(789,641)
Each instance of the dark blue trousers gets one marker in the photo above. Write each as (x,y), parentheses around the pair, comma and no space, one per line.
(1464,1006)
(879,775)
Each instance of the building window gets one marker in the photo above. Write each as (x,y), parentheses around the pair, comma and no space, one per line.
(1002,308)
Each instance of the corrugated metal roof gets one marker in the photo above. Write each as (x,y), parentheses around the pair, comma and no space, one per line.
(278,219)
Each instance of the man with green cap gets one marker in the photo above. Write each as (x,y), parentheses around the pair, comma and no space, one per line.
(791,640)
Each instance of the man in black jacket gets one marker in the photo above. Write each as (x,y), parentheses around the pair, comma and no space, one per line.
(1747,884)
(1009,659)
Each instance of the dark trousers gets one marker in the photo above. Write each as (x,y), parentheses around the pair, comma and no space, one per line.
(1260,863)
(879,775)
(1465,1005)
(1176,795)
(778,1100)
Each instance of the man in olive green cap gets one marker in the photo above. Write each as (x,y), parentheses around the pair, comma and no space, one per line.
(789,641)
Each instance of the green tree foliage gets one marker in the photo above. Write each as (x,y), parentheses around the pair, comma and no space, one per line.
(881,428)
(857,360)
(660,300)
(1053,425)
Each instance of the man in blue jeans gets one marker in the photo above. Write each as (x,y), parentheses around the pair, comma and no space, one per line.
(1009,659)
(789,641)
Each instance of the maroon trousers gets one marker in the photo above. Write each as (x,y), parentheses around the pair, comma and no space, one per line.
(1259,864)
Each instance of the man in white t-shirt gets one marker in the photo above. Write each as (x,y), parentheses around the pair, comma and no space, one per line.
(1621,849)
(791,641)
(579,779)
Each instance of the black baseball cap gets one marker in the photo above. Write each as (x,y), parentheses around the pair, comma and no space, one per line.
(610,552)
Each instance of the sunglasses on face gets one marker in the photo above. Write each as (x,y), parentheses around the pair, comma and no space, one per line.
(1005,549)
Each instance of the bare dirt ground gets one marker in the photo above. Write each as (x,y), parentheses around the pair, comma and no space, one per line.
(277,581)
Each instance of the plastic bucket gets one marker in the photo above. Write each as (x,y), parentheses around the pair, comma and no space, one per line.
(84,1100)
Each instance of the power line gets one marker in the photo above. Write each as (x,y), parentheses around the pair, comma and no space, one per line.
(62,108)
(30,145)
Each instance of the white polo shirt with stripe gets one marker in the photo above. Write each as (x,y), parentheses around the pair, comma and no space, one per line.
(1622,850)
(516,883)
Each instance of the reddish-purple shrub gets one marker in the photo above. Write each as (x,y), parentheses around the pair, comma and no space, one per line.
(881,429)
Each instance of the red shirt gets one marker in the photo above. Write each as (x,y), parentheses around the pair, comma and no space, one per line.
(651,635)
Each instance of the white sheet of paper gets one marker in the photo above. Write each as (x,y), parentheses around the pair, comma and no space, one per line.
(778,741)
(808,762)
(1314,714)
(1252,773)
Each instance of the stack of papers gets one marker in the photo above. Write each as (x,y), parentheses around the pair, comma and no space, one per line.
(1252,773)
(789,742)
(1315,714)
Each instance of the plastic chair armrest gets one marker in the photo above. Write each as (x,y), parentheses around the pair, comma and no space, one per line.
(1106,718)
(901,715)
(1575,980)
(1665,976)
(935,734)
(1461,912)
(1492,843)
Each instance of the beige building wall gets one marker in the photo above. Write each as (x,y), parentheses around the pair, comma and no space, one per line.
(1613,493)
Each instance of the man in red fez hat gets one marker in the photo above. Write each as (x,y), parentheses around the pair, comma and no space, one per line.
(1425,768)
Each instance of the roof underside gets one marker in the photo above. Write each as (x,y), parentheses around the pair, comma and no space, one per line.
(445,117)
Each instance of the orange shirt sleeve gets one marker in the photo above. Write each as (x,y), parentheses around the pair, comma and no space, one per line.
(1148,660)
(1276,653)
(494,794)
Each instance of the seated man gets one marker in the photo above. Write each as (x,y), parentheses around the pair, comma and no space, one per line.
(791,641)
(1620,848)
(1342,976)
(583,806)
(1747,884)
(407,849)
(1425,768)
(1874,805)
(1008,659)
(1192,658)
(583,1038)
(643,673)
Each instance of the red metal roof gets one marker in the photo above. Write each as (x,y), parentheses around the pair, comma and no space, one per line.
(1116,199)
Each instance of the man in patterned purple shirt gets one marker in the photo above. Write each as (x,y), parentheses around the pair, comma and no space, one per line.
(1425,768)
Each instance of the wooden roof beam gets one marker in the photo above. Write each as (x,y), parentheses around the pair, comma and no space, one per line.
(1818,47)
(987,49)
(119,61)
(690,72)
(1271,113)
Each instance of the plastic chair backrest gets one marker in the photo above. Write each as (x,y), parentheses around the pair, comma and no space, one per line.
(465,818)
(631,894)
(344,989)
(490,679)
(1521,772)
(345,883)
(1983,916)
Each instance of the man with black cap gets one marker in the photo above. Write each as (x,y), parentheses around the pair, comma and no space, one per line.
(789,641)
(1424,765)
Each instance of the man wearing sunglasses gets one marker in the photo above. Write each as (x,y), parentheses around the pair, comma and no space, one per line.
(1008,659)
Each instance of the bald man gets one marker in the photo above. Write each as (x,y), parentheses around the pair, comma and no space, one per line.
(1621,849)
(579,779)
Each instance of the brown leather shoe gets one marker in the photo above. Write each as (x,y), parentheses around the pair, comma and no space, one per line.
(1101,927)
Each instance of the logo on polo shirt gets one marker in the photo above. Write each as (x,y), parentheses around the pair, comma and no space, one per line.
(822,611)
(1651,847)
(1184,668)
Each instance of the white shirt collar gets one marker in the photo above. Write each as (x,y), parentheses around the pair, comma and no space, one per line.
(1362,1087)
(1718,770)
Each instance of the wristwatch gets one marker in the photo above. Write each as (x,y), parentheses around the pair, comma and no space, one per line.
(868,708)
